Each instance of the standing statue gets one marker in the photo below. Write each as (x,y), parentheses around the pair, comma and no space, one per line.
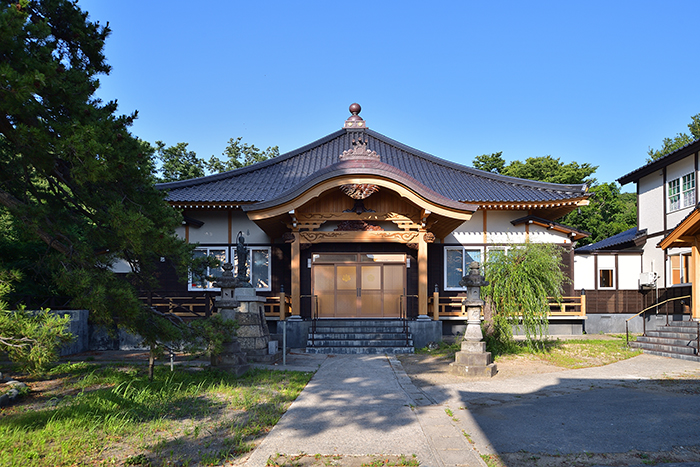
(242,254)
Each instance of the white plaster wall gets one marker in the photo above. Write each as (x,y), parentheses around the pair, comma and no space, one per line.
(251,231)
(651,199)
(216,228)
(674,218)
(680,168)
(539,234)
(653,260)
(500,230)
(584,272)
(630,266)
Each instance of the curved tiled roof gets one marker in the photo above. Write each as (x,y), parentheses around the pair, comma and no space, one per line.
(273,178)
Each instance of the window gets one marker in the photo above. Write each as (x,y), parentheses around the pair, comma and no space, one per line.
(198,282)
(259,262)
(457,261)
(606,279)
(680,268)
(681,192)
(688,188)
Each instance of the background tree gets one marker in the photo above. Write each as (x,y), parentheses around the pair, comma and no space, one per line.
(609,211)
(544,169)
(71,174)
(521,283)
(239,155)
(178,163)
(681,139)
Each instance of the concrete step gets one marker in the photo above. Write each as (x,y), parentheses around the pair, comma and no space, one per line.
(360,350)
(360,329)
(692,358)
(673,334)
(668,341)
(664,348)
(358,343)
(359,336)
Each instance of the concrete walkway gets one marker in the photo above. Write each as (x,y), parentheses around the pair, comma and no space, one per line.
(360,405)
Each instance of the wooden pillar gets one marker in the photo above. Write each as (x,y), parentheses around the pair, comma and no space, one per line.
(436,304)
(695,282)
(296,275)
(422,277)
(283,305)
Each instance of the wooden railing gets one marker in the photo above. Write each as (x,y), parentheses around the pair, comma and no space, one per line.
(203,305)
(185,306)
(451,307)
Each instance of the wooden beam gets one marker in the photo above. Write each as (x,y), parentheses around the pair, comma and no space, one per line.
(359,236)
(296,276)
(422,276)
(695,282)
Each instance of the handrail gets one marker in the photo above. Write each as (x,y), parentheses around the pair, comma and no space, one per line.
(644,323)
(314,316)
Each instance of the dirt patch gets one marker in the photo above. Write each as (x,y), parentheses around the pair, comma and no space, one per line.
(430,370)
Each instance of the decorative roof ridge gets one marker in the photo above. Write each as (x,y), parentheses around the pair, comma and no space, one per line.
(656,164)
(558,187)
(357,167)
(252,167)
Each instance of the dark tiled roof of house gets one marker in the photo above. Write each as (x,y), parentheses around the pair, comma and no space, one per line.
(661,162)
(616,242)
(272,178)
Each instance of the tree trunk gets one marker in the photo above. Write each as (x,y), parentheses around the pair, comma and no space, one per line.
(151,362)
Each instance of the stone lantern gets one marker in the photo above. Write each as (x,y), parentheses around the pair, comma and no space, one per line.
(473,360)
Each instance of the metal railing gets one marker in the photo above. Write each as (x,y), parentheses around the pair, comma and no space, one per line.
(644,321)
(403,315)
(314,316)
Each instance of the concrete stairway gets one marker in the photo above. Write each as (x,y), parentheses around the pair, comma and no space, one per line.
(679,340)
(359,336)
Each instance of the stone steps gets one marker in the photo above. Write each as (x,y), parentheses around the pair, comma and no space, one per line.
(359,336)
(679,340)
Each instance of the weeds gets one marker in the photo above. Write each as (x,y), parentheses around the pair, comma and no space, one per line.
(196,417)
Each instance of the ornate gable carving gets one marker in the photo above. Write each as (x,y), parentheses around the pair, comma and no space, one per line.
(359,151)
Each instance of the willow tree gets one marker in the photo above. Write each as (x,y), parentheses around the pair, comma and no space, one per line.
(522,281)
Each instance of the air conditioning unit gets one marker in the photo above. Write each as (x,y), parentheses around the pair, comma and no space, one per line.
(647,279)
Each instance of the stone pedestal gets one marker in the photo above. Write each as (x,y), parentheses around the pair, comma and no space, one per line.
(232,358)
(253,333)
(473,360)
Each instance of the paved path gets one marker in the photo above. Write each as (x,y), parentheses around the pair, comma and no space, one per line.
(359,405)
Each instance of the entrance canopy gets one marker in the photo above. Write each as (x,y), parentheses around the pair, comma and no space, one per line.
(687,234)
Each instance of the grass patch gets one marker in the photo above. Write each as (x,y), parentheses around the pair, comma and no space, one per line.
(571,353)
(111,414)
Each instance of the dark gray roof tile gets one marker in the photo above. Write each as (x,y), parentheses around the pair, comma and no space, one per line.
(270,179)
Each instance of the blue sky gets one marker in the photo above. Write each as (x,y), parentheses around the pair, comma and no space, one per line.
(593,81)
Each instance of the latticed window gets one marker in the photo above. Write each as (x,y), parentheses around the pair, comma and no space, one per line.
(688,187)
(674,195)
